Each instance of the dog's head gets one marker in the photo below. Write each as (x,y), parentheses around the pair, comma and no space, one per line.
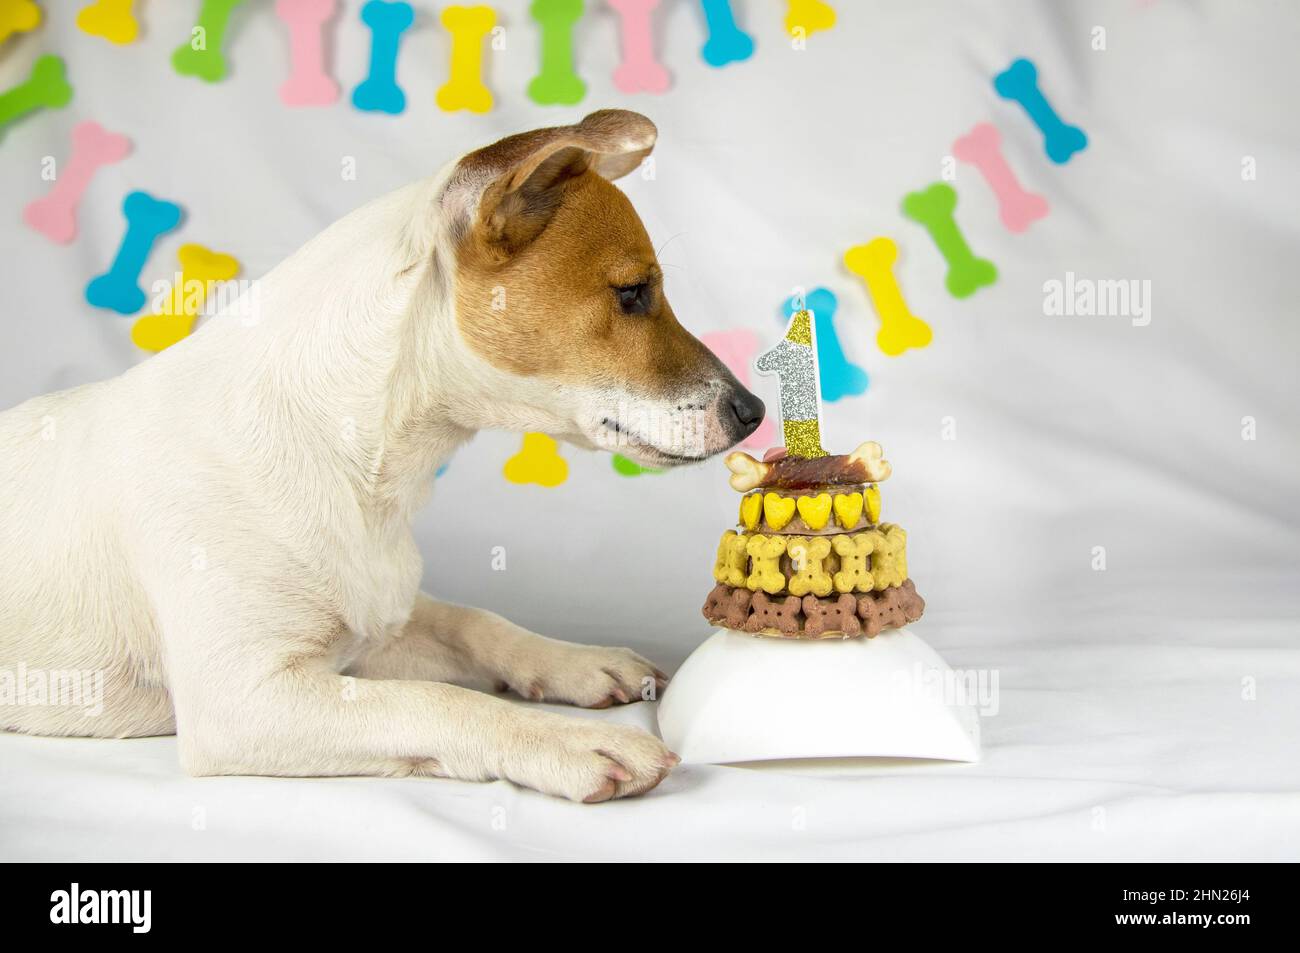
(559,298)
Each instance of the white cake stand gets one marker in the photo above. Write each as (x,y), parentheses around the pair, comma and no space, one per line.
(744,698)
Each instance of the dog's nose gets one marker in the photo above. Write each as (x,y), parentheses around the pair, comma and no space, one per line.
(748,411)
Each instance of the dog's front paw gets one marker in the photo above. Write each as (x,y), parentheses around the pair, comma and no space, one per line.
(585,760)
(588,676)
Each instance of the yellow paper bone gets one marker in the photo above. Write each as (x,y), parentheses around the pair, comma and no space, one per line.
(467,26)
(899,328)
(538,461)
(110,19)
(18,16)
(201,268)
(809,16)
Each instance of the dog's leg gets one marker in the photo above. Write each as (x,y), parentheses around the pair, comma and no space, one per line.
(467,646)
(278,708)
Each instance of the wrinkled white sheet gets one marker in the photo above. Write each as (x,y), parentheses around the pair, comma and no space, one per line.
(1147,711)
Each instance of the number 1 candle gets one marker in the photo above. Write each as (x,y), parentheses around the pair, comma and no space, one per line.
(794,362)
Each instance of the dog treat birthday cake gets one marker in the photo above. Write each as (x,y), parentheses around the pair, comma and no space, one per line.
(810,558)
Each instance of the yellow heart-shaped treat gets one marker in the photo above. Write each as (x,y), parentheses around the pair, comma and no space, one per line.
(751,507)
(815,510)
(872,499)
(777,510)
(848,509)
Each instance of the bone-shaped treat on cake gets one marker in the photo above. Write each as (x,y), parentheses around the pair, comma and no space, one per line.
(866,464)
(1019,83)
(201,268)
(640,71)
(111,20)
(119,289)
(982,148)
(933,208)
(900,329)
(379,91)
(201,56)
(727,43)
(308,83)
(55,214)
(465,89)
(44,88)
(556,82)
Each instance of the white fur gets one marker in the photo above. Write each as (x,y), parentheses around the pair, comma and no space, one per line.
(224,532)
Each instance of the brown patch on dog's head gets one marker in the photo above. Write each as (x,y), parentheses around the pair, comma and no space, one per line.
(558,287)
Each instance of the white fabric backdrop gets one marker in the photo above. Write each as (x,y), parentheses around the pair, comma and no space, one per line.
(1122,732)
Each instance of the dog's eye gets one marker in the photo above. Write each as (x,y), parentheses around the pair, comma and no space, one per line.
(635,299)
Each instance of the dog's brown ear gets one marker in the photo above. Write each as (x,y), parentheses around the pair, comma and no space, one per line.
(506,192)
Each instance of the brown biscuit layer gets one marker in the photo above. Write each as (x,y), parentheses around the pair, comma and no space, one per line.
(813,617)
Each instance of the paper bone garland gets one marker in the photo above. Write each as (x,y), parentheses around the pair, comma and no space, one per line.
(308,84)
(379,91)
(808,16)
(639,72)
(838,375)
(111,20)
(45,88)
(465,90)
(1019,83)
(201,268)
(794,361)
(933,207)
(727,43)
(556,82)
(982,148)
(18,16)
(736,348)
(900,329)
(55,214)
(538,461)
(118,289)
(201,55)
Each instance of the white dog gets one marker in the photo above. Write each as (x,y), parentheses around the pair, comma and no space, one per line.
(224,530)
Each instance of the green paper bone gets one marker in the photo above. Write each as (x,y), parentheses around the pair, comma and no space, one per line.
(205,60)
(933,207)
(556,83)
(45,88)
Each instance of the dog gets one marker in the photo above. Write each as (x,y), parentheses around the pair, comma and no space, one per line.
(224,531)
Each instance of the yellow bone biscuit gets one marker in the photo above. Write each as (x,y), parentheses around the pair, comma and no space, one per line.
(808,572)
(889,561)
(848,509)
(777,510)
(766,553)
(815,510)
(732,560)
(871,498)
(751,509)
(465,89)
(853,552)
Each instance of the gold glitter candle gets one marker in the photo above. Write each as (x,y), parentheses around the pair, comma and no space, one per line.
(794,362)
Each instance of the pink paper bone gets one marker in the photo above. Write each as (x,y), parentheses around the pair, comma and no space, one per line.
(55,214)
(736,349)
(982,148)
(639,72)
(308,83)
